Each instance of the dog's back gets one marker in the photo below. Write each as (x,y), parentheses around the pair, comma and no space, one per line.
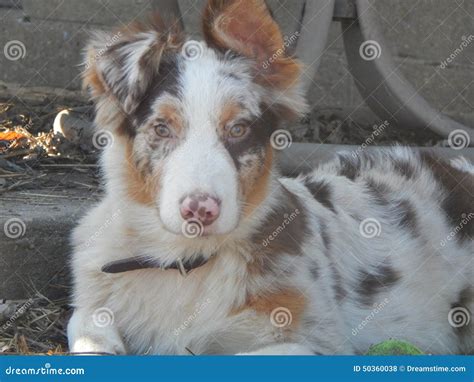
(399,237)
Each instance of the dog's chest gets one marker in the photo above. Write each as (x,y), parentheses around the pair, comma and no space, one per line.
(162,312)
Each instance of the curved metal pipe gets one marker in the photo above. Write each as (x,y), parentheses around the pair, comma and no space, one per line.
(382,85)
(304,157)
(314,30)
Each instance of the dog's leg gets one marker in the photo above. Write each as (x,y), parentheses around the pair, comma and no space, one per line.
(282,349)
(85,335)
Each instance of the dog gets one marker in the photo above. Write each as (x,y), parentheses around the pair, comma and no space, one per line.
(200,246)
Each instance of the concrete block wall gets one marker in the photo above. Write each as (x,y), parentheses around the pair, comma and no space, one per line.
(422,35)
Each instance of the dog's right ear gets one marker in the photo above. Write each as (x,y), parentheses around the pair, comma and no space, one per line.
(247,28)
(119,66)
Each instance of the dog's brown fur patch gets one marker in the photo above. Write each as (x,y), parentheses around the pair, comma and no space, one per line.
(255,182)
(229,112)
(266,304)
(140,188)
(173,117)
(247,27)
(459,189)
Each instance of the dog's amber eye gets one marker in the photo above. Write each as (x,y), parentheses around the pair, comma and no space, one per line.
(162,130)
(238,130)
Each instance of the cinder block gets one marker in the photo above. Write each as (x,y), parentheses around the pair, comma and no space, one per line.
(46,54)
(450,90)
(104,12)
(428,30)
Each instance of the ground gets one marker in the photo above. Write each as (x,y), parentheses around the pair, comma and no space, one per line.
(32,158)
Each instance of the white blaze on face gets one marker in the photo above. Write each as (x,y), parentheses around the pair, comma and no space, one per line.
(201,162)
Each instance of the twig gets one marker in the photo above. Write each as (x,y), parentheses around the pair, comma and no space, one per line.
(69,165)
(44,195)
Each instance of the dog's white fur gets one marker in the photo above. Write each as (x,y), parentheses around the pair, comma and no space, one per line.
(161,312)
(150,306)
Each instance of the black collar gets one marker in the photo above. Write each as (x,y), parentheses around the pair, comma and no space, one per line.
(140,262)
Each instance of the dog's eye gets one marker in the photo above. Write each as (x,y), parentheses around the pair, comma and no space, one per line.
(238,130)
(162,130)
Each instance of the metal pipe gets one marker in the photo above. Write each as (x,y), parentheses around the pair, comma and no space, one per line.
(314,32)
(303,157)
(169,9)
(382,85)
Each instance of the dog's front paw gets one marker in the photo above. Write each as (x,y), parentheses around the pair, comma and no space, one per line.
(90,345)
(87,337)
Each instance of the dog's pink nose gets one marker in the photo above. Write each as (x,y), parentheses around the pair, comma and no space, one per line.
(202,207)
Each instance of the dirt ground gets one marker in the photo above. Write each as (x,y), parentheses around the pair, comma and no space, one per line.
(32,158)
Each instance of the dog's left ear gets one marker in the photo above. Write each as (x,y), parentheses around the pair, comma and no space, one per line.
(120,66)
(247,28)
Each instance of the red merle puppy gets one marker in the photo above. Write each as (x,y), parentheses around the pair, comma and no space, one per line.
(199,245)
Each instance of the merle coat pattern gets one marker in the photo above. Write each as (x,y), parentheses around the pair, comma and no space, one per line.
(362,249)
